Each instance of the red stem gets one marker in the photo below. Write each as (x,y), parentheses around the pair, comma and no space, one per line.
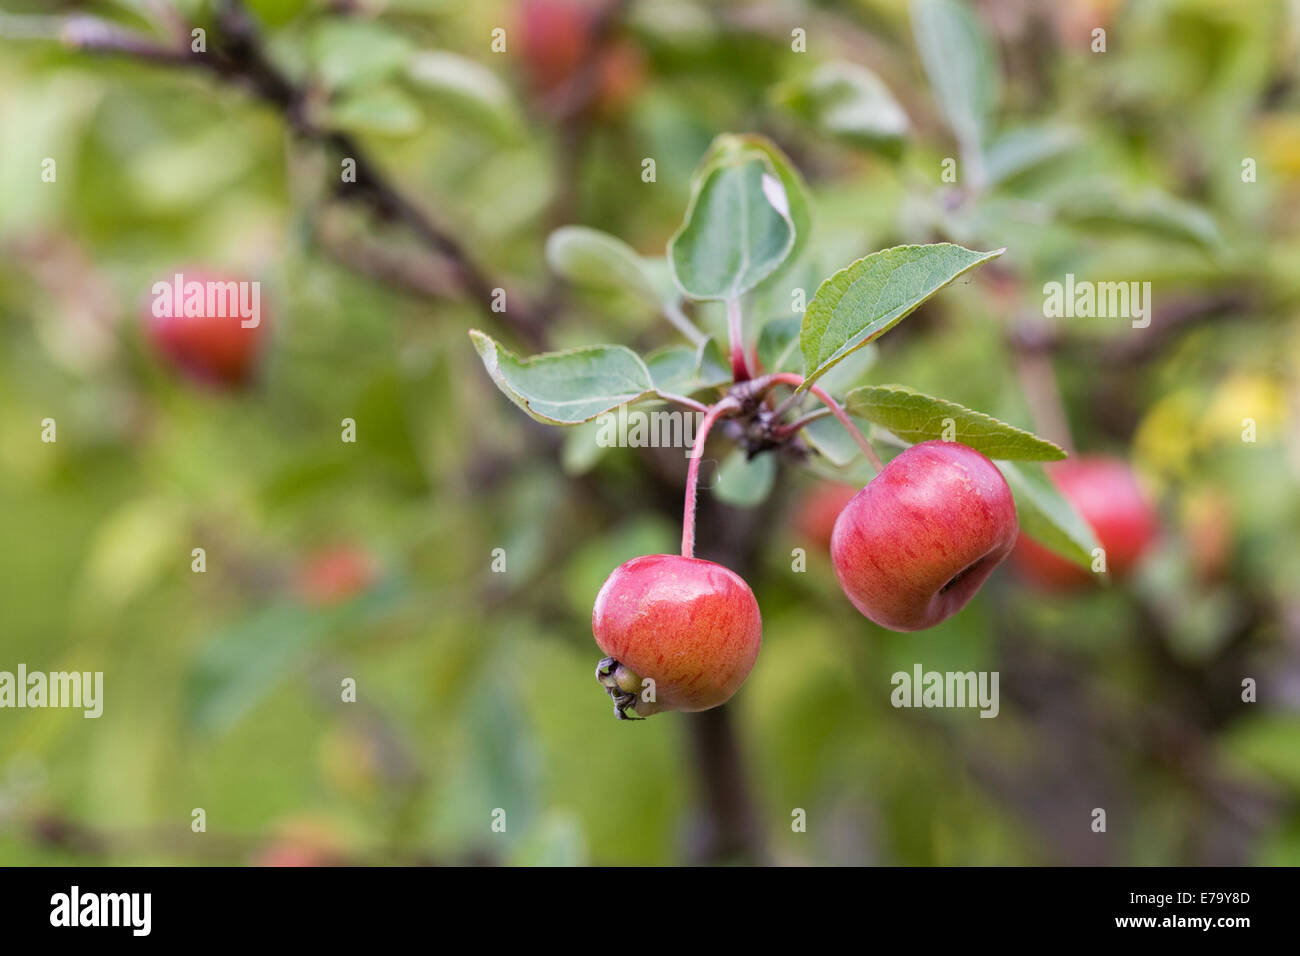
(790,378)
(693,473)
(739,364)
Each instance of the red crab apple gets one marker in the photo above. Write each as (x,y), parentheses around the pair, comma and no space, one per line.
(210,327)
(333,575)
(819,509)
(916,543)
(1106,494)
(689,625)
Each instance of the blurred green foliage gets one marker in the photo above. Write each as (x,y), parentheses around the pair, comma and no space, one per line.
(475,689)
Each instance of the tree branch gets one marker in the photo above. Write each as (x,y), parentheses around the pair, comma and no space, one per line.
(237,55)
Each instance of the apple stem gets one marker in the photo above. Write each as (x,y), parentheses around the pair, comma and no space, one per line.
(739,364)
(693,472)
(787,430)
(683,400)
(836,409)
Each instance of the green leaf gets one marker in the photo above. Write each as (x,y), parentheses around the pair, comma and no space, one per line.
(467,87)
(778,345)
(916,417)
(745,482)
(236,667)
(678,369)
(711,365)
(737,230)
(593,259)
(381,109)
(1268,744)
(570,387)
(350,53)
(961,66)
(1019,150)
(850,373)
(869,297)
(1046,516)
(581,449)
(849,102)
(833,441)
(798,199)
(1153,211)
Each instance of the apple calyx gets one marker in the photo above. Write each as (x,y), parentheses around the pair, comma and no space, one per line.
(622,685)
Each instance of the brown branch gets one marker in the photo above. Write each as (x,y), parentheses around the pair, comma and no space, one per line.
(237,55)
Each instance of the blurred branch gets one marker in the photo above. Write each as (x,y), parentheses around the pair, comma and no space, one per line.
(1168,322)
(62,833)
(237,55)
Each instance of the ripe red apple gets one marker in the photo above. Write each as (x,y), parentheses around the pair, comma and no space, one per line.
(335,574)
(819,509)
(1106,494)
(197,320)
(915,544)
(689,625)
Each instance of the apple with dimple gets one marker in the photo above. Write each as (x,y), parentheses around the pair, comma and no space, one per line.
(1106,493)
(210,346)
(913,546)
(690,625)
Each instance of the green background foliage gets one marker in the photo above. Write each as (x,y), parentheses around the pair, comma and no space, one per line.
(475,688)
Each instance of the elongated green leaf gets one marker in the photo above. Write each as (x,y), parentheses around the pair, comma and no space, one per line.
(798,199)
(582,448)
(378,109)
(1019,150)
(566,388)
(737,230)
(711,365)
(1046,515)
(466,87)
(916,417)
(678,369)
(828,437)
(596,260)
(849,102)
(745,482)
(354,53)
(1153,211)
(869,297)
(960,64)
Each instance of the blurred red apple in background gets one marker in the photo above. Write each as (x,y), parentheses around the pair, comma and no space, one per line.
(818,510)
(558,37)
(335,574)
(210,327)
(1107,495)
